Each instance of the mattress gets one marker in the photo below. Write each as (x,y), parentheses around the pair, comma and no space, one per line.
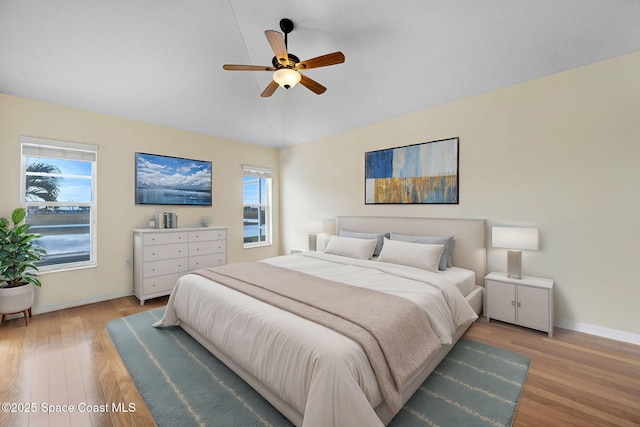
(303,367)
(465,280)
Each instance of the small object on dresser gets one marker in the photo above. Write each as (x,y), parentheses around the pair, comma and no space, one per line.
(166,220)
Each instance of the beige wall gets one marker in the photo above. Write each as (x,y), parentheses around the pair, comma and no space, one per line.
(118,140)
(561,153)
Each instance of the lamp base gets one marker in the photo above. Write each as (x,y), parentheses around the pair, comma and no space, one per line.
(312,241)
(514,264)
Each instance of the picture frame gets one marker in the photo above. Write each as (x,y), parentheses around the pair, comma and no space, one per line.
(425,173)
(167,180)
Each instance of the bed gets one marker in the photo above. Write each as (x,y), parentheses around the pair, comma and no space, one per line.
(314,375)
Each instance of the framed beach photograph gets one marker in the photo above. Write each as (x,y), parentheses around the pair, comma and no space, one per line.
(425,173)
(166,180)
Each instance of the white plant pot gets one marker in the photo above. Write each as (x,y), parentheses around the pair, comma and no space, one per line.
(15,300)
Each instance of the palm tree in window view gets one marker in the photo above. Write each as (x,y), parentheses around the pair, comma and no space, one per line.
(39,186)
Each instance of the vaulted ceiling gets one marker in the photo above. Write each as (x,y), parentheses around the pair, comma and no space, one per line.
(160,61)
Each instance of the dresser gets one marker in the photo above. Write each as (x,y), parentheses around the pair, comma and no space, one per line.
(526,302)
(160,257)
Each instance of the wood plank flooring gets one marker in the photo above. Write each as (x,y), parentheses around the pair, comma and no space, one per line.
(66,357)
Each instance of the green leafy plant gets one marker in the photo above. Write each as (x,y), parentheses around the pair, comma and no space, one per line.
(17,251)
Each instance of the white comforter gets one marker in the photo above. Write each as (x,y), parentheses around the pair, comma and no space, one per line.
(319,372)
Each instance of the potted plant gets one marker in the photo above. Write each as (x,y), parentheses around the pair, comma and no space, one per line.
(18,254)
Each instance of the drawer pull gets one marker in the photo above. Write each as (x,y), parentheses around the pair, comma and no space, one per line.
(513,303)
(519,305)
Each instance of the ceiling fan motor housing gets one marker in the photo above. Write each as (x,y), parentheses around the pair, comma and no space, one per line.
(292,59)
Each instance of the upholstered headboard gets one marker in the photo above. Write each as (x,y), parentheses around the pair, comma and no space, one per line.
(470,250)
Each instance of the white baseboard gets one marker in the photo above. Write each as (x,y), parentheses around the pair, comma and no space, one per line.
(74,303)
(599,331)
(77,303)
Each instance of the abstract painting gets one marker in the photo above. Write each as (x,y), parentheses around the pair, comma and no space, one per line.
(413,174)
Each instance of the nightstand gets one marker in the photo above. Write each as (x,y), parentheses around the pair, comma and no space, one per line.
(525,302)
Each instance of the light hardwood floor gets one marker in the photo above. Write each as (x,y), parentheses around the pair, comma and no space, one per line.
(66,357)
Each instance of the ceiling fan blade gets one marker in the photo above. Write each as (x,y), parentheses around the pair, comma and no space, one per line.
(277,44)
(268,91)
(312,85)
(321,61)
(234,67)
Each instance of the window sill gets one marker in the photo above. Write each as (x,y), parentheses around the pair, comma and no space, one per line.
(63,268)
(256,245)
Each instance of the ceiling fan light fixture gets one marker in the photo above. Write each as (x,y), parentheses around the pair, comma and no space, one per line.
(286,77)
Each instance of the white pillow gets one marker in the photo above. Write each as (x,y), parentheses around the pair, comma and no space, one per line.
(420,255)
(351,247)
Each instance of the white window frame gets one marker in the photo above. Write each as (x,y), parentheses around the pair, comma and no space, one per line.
(48,148)
(259,172)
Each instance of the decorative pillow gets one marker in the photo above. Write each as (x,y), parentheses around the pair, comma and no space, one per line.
(450,258)
(356,235)
(420,255)
(447,241)
(351,247)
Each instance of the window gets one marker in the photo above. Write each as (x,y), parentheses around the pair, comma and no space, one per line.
(59,192)
(257,206)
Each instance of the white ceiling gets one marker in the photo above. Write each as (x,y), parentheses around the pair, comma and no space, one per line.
(160,61)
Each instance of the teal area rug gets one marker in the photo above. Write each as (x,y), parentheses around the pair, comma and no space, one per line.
(184,385)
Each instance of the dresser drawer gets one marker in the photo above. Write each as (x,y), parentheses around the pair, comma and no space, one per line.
(158,268)
(164,284)
(158,252)
(211,247)
(207,261)
(165,238)
(196,236)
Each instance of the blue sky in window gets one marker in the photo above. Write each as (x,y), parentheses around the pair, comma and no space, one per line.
(154,171)
(76,178)
(252,189)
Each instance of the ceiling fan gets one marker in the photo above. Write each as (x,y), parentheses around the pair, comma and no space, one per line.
(286,66)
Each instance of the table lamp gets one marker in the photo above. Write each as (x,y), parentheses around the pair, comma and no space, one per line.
(516,239)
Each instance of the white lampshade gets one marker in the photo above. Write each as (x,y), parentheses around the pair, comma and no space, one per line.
(286,77)
(525,239)
(313,225)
